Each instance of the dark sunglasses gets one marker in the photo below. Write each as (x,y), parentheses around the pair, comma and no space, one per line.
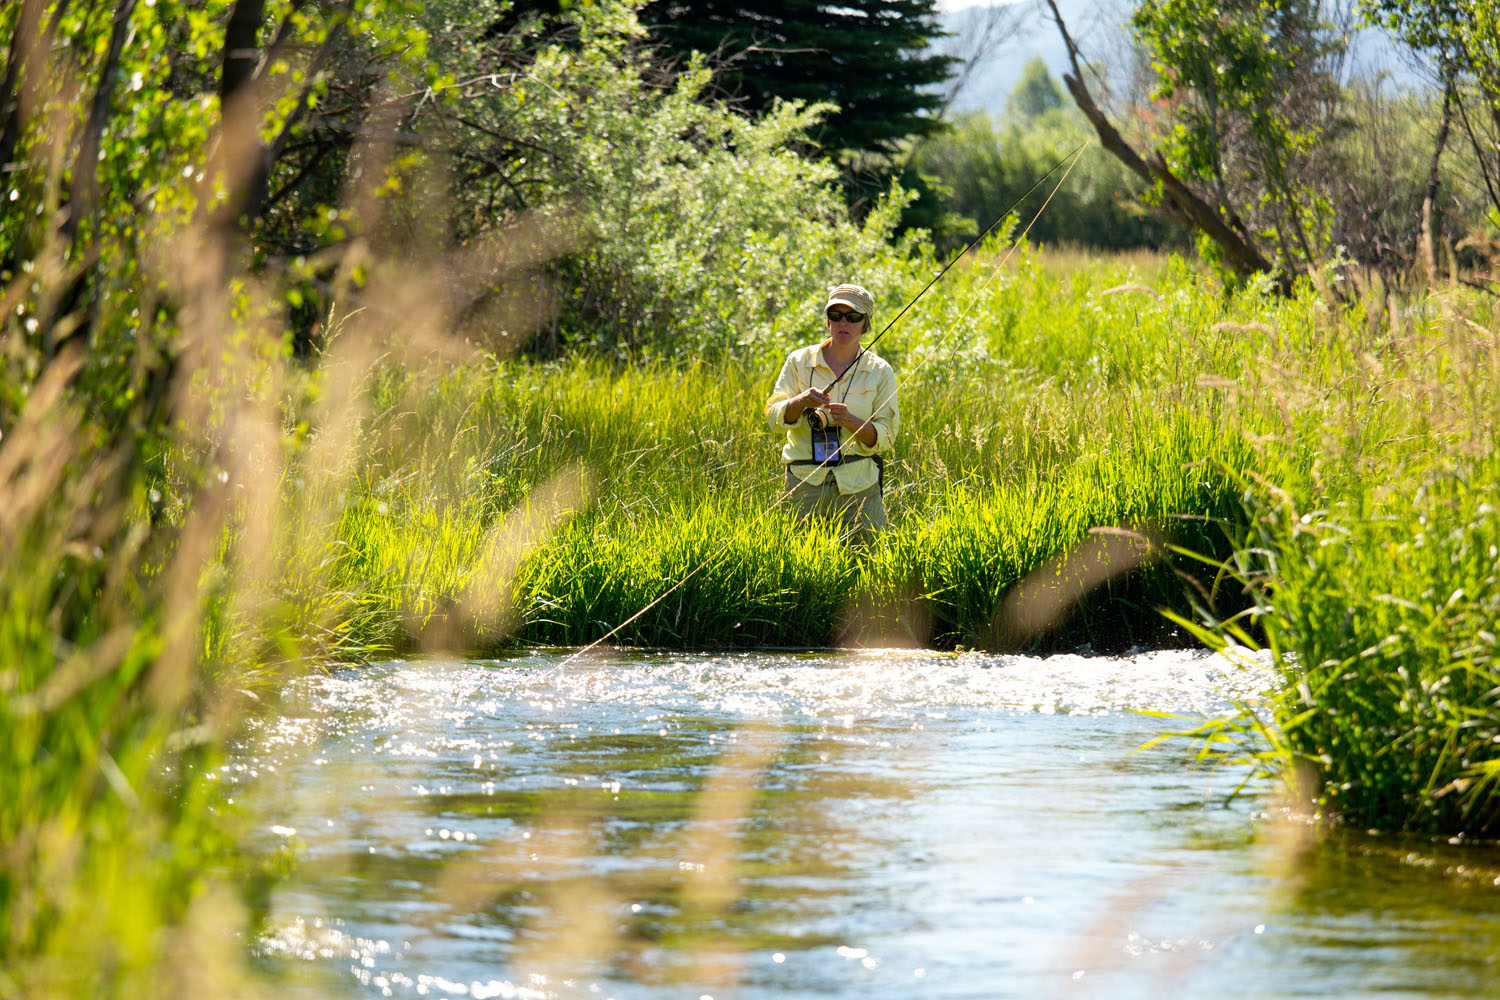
(848,317)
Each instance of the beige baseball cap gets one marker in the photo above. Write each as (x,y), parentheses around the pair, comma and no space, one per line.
(856,297)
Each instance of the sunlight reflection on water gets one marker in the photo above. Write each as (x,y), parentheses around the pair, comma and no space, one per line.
(873,824)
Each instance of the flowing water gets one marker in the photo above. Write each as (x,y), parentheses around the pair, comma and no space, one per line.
(865,824)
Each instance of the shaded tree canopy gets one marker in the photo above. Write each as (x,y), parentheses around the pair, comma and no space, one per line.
(869,57)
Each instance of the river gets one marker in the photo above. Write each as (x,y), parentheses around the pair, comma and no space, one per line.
(854,824)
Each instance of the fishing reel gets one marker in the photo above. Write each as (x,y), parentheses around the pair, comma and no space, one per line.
(818,420)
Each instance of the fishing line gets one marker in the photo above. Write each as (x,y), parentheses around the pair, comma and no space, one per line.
(864,349)
(1074,156)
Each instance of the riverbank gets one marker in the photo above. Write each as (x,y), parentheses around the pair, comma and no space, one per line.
(1321,463)
(1059,427)
(654,561)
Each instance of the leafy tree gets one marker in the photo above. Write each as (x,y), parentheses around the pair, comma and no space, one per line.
(1247,91)
(132,121)
(1462,37)
(1399,195)
(1036,93)
(684,226)
(1243,92)
(871,59)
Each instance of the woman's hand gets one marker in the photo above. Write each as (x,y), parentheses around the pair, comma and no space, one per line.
(812,398)
(840,415)
(860,427)
(808,399)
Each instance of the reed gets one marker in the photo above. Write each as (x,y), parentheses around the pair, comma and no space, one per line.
(1377,597)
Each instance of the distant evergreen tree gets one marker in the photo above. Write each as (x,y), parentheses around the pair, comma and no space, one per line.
(1036,93)
(870,57)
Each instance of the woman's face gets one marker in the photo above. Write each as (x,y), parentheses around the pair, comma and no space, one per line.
(843,331)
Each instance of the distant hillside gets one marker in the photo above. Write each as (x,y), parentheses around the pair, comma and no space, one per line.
(1100,27)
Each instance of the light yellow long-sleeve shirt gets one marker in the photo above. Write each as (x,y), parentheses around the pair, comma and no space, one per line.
(869,390)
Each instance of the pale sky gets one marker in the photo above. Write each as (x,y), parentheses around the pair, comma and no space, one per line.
(951,5)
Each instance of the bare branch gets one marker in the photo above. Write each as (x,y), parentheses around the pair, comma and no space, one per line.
(985,31)
(1181,202)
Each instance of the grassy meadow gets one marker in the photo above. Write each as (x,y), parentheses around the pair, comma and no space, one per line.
(1084,446)
(1036,407)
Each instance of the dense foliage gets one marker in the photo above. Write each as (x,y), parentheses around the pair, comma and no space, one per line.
(870,58)
(672,219)
(1390,663)
(1250,92)
(873,61)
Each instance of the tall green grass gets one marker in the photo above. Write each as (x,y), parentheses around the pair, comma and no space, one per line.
(1068,437)
(1378,595)
(755,577)
(1040,405)
(1010,453)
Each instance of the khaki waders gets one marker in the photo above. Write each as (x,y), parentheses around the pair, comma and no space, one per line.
(859,514)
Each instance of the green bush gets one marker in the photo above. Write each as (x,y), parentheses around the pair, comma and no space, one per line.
(686,229)
(1376,586)
(1381,626)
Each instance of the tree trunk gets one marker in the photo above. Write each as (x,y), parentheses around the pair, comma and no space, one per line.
(241,48)
(245,160)
(1427,251)
(25,44)
(86,163)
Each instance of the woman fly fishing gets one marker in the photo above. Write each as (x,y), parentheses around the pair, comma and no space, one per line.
(845,480)
(835,436)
